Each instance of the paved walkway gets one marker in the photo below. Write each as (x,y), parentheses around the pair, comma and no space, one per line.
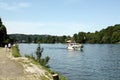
(19,69)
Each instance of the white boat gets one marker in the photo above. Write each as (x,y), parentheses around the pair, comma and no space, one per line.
(73,45)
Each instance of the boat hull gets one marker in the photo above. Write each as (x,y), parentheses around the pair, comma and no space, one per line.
(75,47)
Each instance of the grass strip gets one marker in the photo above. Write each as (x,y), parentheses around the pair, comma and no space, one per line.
(15,51)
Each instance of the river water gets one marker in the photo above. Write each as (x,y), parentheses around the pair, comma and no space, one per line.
(94,62)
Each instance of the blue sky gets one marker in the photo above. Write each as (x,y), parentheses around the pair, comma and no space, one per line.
(58,17)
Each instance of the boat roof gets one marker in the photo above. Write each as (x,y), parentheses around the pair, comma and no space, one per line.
(70,41)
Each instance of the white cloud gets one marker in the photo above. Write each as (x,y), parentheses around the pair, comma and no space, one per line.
(13,5)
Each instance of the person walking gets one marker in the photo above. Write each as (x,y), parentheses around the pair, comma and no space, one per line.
(9,46)
(6,47)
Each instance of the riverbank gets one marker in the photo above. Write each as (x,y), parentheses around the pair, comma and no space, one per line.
(20,68)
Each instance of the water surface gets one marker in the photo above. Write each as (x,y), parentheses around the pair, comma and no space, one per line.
(94,62)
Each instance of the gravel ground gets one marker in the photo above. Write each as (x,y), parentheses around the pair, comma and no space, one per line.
(20,68)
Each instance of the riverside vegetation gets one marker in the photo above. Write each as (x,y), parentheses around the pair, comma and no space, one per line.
(15,51)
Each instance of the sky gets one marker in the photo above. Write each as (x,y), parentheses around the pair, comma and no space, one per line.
(58,17)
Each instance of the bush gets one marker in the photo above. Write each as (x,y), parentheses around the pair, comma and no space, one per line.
(42,61)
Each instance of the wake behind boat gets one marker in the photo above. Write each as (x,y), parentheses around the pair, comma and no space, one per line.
(73,45)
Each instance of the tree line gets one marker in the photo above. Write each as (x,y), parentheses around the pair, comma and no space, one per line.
(109,35)
(22,38)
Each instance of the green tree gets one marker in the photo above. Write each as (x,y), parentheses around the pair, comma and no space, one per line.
(29,40)
(42,61)
(115,37)
(81,37)
(39,52)
(35,40)
(3,33)
(75,37)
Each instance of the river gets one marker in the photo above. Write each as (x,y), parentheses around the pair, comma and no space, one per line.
(94,62)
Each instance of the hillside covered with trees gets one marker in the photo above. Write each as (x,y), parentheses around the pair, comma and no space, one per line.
(109,35)
(4,38)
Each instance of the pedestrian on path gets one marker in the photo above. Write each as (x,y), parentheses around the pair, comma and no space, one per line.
(9,46)
(6,47)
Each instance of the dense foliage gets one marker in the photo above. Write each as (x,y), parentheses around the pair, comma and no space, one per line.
(4,38)
(22,38)
(108,35)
